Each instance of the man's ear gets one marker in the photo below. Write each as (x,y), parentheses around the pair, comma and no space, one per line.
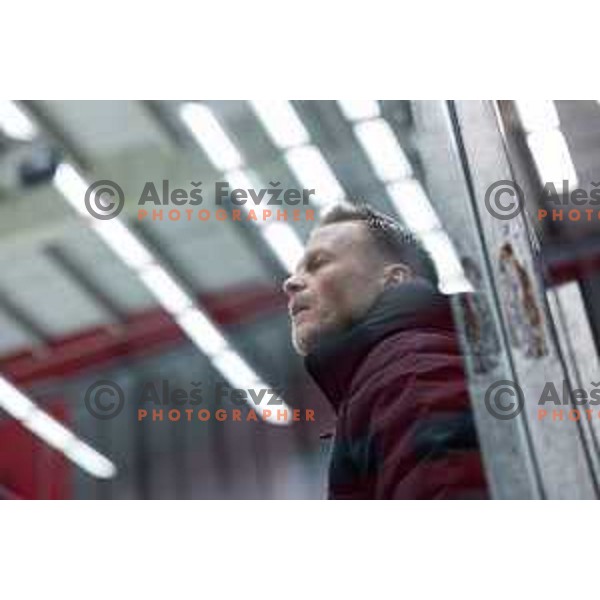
(396,274)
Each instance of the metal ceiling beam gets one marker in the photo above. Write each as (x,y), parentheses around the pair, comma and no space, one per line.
(23,319)
(162,116)
(399,116)
(332,133)
(82,279)
(57,134)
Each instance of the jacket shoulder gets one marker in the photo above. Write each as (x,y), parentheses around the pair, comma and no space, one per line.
(422,366)
(411,351)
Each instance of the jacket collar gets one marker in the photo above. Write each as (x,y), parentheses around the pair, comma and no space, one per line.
(413,304)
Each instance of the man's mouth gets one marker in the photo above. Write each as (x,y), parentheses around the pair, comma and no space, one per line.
(295,310)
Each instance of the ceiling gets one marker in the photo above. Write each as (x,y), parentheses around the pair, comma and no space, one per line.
(57,278)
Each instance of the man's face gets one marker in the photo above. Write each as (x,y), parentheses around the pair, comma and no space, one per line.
(336,282)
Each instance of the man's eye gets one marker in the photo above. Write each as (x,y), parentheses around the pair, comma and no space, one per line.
(317,262)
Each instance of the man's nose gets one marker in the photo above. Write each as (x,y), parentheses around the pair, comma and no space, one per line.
(293,284)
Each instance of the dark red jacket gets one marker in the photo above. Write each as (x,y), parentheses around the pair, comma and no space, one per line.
(396,380)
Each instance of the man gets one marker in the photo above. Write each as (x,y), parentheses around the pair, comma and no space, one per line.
(378,339)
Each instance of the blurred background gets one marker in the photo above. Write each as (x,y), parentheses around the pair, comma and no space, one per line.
(136,302)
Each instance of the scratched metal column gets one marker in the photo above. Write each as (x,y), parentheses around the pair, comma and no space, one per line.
(513,337)
(572,330)
(509,462)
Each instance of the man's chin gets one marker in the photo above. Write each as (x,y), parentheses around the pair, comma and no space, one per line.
(306,338)
(299,346)
(303,341)
(300,350)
